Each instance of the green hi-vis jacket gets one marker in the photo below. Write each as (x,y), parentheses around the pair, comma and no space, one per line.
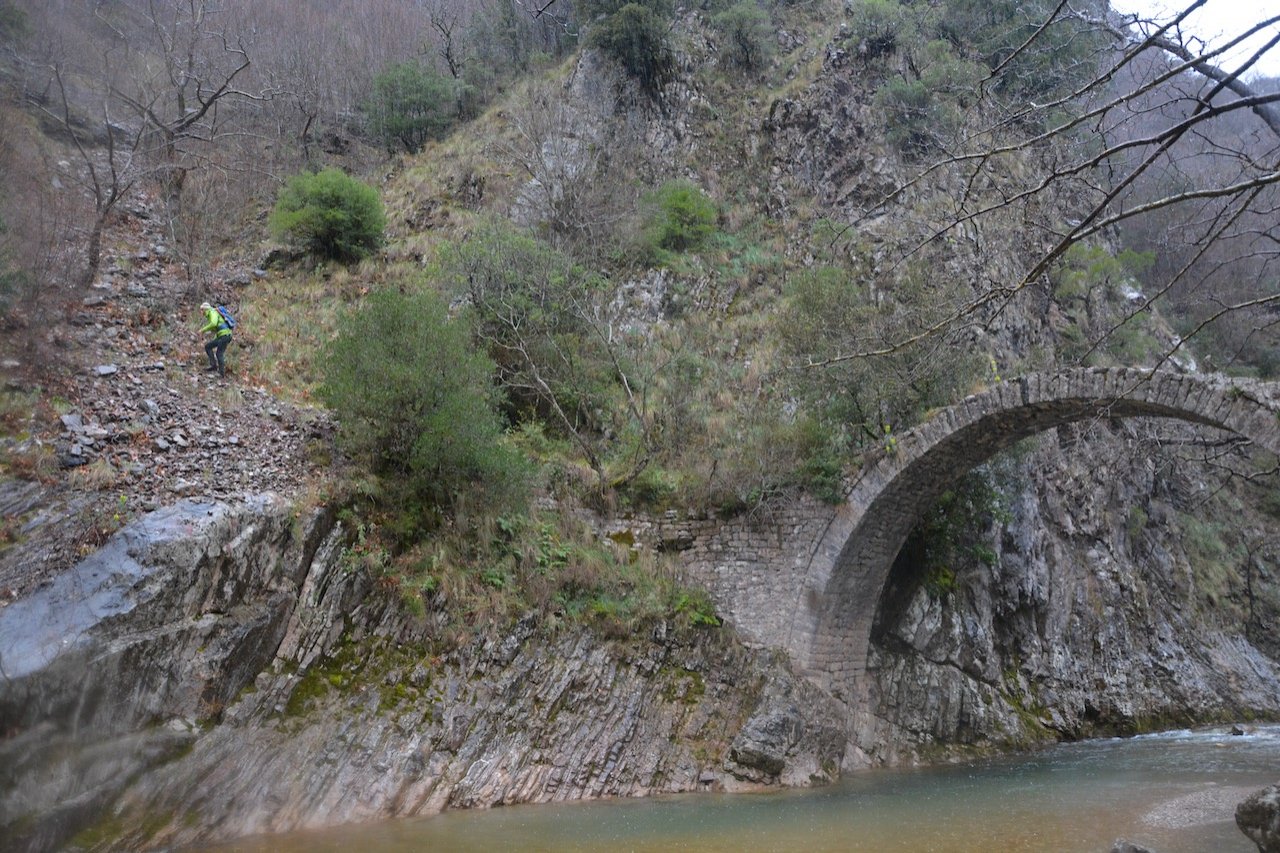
(215,321)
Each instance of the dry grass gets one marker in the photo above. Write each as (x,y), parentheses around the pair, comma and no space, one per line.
(98,475)
(32,461)
(289,319)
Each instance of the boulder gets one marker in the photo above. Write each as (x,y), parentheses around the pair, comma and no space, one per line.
(166,623)
(794,736)
(1259,818)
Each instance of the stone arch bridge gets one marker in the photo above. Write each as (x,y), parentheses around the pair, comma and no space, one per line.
(822,606)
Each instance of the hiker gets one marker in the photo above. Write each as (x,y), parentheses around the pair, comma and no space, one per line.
(220,324)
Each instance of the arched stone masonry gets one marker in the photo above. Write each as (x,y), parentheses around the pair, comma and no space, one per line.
(830,630)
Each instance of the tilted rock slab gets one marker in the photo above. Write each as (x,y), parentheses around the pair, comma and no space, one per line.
(216,670)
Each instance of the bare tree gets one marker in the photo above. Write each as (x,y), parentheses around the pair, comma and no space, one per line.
(1139,130)
(447,21)
(38,240)
(108,171)
(575,189)
(177,83)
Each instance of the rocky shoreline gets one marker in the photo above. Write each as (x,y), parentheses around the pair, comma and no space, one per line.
(217,670)
(218,664)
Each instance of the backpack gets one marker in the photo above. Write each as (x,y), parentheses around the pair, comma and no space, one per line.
(226,317)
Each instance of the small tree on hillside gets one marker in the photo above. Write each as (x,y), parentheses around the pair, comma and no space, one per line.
(683,217)
(546,322)
(330,214)
(635,35)
(410,106)
(747,34)
(417,404)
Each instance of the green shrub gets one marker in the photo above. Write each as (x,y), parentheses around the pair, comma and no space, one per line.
(1135,522)
(653,487)
(410,105)
(602,9)
(1133,344)
(545,320)
(747,33)
(955,528)
(923,110)
(821,470)
(831,312)
(330,214)
(683,217)
(908,110)
(417,404)
(635,35)
(876,27)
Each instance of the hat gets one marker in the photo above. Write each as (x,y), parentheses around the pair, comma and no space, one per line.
(205,306)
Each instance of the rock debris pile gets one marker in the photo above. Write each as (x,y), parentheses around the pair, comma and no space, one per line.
(135,421)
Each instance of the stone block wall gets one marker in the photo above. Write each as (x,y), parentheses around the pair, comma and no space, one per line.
(754,565)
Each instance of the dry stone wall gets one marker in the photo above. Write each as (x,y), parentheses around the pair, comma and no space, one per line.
(753,565)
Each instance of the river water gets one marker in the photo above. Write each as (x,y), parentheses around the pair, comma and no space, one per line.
(1172,792)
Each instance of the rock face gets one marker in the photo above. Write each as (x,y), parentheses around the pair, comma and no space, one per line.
(108,666)
(1259,818)
(215,670)
(1100,607)
(517,720)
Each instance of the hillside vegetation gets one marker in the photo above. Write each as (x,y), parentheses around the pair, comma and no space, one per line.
(607,255)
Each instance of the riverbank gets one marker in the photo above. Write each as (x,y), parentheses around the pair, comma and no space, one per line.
(1173,792)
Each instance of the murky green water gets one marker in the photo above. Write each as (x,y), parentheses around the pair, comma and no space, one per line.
(1172,792)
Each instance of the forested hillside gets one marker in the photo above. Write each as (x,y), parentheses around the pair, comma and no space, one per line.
(518,282)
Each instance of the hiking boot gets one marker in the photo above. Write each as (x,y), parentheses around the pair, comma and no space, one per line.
(210,369)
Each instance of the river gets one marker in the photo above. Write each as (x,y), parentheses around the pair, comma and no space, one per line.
(1172,792)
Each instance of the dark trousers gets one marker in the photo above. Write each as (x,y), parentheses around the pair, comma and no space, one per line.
(216,350)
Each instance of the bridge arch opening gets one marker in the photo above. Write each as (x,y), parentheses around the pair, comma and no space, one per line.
(832,633)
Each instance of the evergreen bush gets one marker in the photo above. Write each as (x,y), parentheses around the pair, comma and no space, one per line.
(532,307)
(747,34)
(683,217)
(922,111)
(877,27)
(417,404)
(635,35)
(410,105)
(1063,57)
(330,214)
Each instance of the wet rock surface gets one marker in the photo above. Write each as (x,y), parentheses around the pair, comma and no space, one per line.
(1258,817)
(108,665)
